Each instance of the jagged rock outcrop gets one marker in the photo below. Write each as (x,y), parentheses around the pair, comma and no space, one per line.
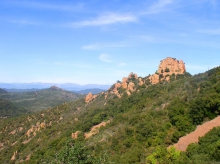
(75,135)
(89,97)
(13,158)
(129,84)
(168,67)
(140,82)
(154,79)
(171,65)
(35,128)
(115,89)
(131,87)
(124,83)
(132,75)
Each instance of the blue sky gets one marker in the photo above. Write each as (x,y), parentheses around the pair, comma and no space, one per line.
(99,42)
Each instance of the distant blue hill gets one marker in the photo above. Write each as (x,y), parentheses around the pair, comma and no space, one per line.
(37,86)
(21,90)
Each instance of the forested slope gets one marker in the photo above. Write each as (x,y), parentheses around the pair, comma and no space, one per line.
(141,126)
(42,99)
(9,109)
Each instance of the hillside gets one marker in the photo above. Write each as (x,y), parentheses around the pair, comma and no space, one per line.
(2,91)
(41,99)
(133,122)
(9,109)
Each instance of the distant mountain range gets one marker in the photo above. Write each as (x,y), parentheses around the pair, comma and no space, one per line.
(66,86)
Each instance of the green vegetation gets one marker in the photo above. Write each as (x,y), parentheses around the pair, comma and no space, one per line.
(141,126)
(40,100)
(167,70)
(9,109)
(2,91)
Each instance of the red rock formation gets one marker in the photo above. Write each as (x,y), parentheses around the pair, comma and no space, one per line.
(89,97)
(117,85)
(75,135)
(168,66)
(140,82)
(13,158)
(154,79)
(124,83)
(133,75)
(115,89)
(131,87)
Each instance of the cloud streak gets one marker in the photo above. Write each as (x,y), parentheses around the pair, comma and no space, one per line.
(158,7)
(98,46)
(105,58)
(106,19)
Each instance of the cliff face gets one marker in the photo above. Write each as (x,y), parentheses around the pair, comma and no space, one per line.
(169,66)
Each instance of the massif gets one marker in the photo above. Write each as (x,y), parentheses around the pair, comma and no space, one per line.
(135,121)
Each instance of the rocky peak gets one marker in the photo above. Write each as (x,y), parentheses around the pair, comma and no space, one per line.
(170,66)
(128,84)
(132,75)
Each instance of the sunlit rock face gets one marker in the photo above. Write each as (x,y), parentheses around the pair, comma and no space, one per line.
(168,66)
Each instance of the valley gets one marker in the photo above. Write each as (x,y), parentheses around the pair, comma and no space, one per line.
(39,100)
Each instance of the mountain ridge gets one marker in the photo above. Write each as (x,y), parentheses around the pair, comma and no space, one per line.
(66,86)
(140,126)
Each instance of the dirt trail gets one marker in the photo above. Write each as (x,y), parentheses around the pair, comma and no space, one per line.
(95,129)
(193,137)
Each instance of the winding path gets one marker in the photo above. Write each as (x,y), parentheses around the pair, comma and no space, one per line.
(193,137)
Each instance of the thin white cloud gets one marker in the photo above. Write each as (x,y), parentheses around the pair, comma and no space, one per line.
(99,46)
(210,31)
(106,19)
(105,58)
(159,6)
